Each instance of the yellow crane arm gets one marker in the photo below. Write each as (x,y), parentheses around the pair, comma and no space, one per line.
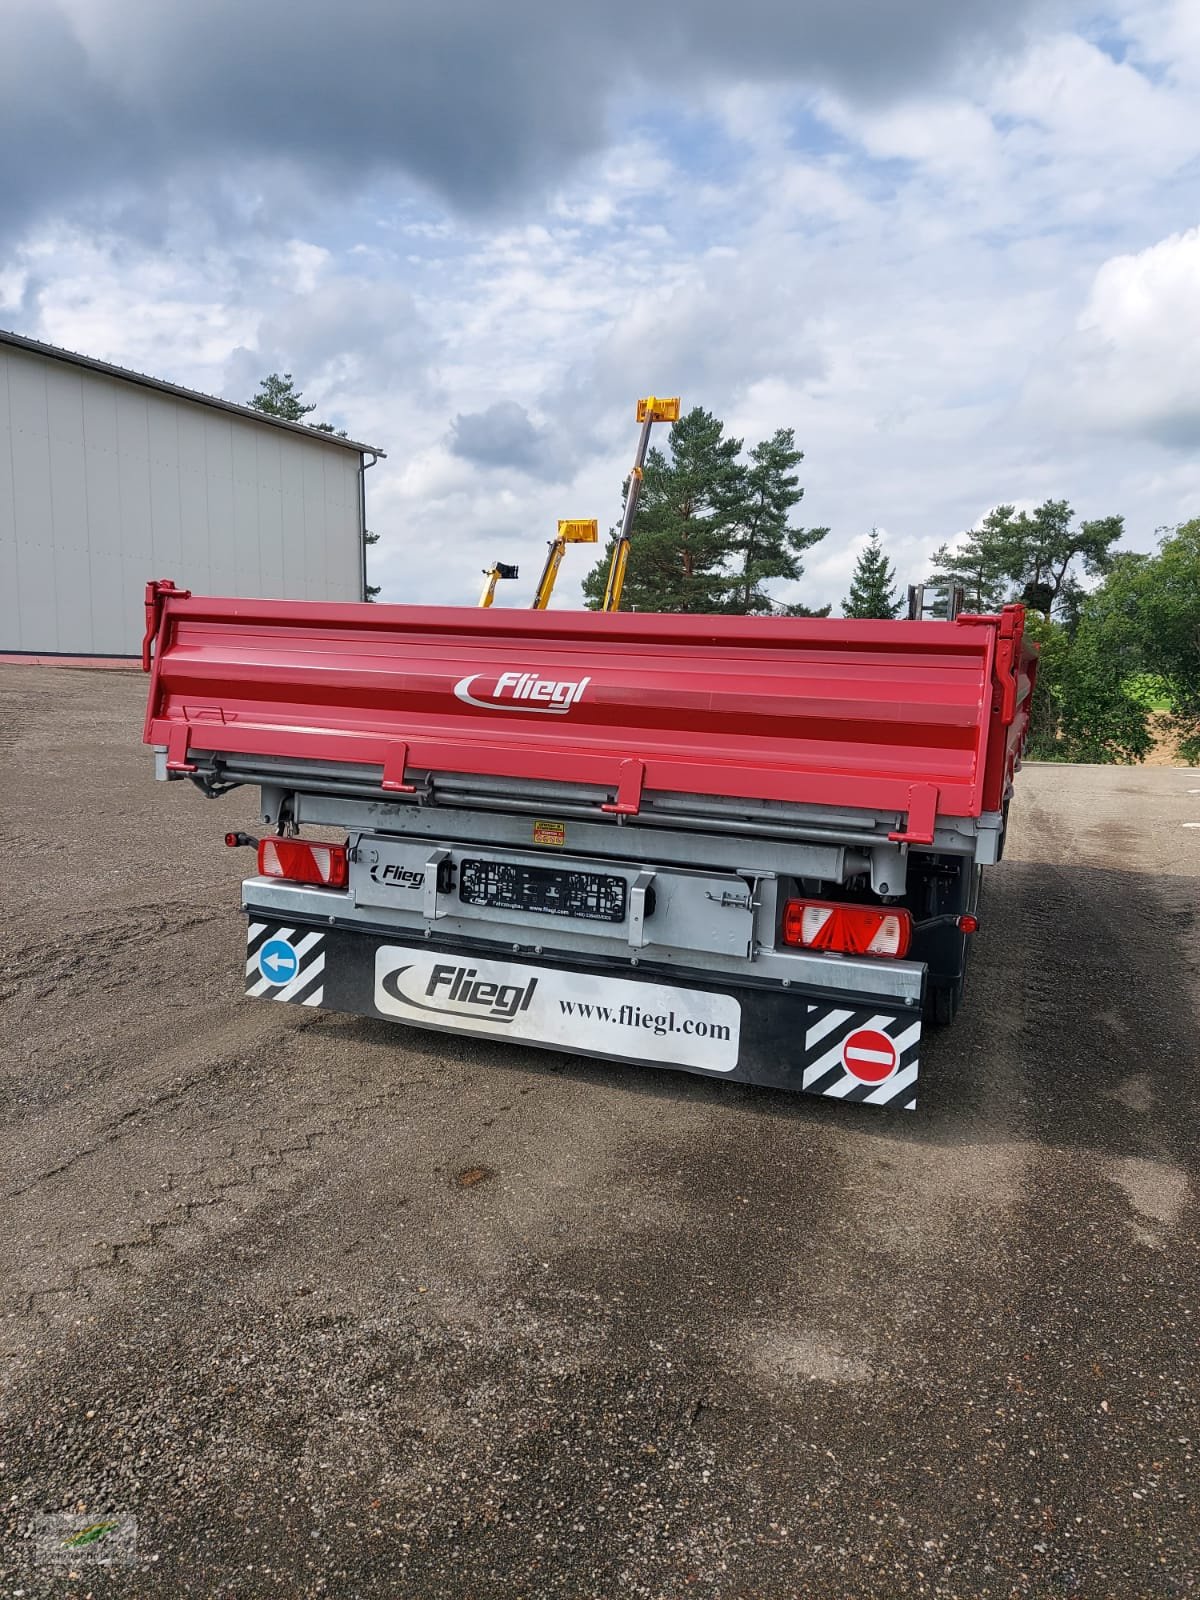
(649,411)
(569,532)
(492,576)
(546,582)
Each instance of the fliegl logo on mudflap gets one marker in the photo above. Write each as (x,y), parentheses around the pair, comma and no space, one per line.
(521,691)
(454,989)
(566,1010)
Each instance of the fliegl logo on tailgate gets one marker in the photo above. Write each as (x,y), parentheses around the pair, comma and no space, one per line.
(521,691)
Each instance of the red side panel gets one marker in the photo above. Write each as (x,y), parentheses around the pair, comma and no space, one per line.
(892,716)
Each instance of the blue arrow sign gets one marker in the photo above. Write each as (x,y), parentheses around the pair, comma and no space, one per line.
(278,961)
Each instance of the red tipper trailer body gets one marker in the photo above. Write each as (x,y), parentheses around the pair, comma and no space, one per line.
(748,847)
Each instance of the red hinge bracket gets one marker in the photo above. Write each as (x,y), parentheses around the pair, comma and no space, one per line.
(629,790)
(156,590)
(178,740)
(1008,659)
(1010,628)
(922,815)
(394,763)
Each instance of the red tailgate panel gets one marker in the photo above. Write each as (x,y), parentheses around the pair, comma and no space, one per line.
(803,710)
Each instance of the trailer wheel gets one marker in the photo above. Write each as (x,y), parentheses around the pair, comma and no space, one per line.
(944,1003)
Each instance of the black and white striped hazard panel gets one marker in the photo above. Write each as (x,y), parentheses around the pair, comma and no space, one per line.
(285,963)
(862,1056)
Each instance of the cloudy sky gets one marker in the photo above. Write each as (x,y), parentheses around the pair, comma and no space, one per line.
(953,243)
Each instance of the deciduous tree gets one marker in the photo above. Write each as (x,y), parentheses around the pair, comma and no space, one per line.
(1146,616)
(1083,707)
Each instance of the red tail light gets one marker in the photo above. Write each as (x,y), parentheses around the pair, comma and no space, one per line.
(301,861)
(855,930)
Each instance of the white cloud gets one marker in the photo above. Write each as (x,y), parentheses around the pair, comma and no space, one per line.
(1132,362)
(1104,125)
(948,137)
(12,288)
(901,285)
(172,317)
(1165,34)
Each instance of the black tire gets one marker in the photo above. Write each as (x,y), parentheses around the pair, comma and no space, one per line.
(943,1003)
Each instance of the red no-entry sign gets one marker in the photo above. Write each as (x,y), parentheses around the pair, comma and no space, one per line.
(869,1055)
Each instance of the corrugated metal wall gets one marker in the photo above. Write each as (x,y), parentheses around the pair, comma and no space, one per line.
(104,484)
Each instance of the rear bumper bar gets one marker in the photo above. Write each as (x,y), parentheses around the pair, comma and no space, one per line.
(812,1038)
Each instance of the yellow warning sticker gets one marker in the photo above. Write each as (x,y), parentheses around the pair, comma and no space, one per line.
(551,833)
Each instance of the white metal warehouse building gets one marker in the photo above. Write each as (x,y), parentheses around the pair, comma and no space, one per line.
(109,478)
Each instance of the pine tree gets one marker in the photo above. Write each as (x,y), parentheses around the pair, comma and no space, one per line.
(682,534)
(873,584)
(763,546)
(980,562)
(1031,557)
(712,531)
(279,397)
(1043,549)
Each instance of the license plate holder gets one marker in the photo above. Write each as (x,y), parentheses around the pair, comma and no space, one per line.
(573,892)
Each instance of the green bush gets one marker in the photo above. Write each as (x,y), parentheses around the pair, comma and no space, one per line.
(1082,707)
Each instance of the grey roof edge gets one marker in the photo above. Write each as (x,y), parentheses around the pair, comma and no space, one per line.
(19,341)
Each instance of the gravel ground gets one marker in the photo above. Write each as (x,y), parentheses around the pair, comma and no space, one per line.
(332,1308)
